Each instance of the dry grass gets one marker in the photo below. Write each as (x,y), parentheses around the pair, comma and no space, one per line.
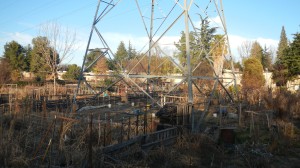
(284,103)
(24,142)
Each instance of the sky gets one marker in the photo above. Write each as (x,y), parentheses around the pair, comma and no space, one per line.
(255,20)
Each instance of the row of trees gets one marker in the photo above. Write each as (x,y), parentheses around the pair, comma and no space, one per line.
(17,58)
(287,61)
(126,58)
(47,51)
(43,57)
(256,59)
(287,65)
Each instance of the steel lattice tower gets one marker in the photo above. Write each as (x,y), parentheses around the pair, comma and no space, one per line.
(179,13)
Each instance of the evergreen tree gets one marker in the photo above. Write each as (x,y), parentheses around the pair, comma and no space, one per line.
(131,52)
(280,72)
(200,44)
(266,60)
(27,59)
(283,43)
(252,78)
(291,57)
(38,64)
(181,46)
(206,34)
(122,54)
(15,55)
(72,73)
(91,58)
(101,66)
(256,51)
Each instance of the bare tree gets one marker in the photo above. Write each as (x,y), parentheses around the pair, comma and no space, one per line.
(245,49)
(61,43)
(272,51)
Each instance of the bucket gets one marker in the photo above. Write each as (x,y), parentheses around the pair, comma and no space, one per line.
(109,105)
(132,104)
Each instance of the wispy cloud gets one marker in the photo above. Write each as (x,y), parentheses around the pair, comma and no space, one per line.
(21,38)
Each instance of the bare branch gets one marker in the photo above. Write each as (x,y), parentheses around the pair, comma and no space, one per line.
(59,45)
(245,49)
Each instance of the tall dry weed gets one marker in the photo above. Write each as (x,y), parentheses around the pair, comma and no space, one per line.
(284,103)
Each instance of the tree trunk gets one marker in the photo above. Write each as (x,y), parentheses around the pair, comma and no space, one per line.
(54,83)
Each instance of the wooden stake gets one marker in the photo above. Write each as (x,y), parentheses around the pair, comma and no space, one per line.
(90,157)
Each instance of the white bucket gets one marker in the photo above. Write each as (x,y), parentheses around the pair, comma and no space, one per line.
(132,104)
(153,114)
(109,105)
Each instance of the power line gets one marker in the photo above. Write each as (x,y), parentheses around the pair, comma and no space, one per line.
(7,6)
(56,18)
(30,12)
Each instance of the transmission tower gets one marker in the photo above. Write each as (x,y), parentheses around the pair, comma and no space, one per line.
(164,18)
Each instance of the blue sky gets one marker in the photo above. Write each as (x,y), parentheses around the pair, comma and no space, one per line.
(246,20)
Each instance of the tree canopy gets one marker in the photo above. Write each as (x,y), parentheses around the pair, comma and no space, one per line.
(181,46)
(72,73)
(291,57)
(122,54)
(91,59)
(101,67)
(283,43)
(252,78)
(256,51)
(266,59)
(15,55)
(287,66)
(38,63)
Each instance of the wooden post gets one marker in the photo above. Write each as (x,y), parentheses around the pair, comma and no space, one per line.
(104,131)
(240,114)
(44,106)
(220,116)
(151,125)
(252,123)
(145,120)
(129,128)
(51,148)
(122,127)
(109,128)
(17,108)
(183,113)
(99,130)
(177,113)
(268,120)
(90,144)
(137,125)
